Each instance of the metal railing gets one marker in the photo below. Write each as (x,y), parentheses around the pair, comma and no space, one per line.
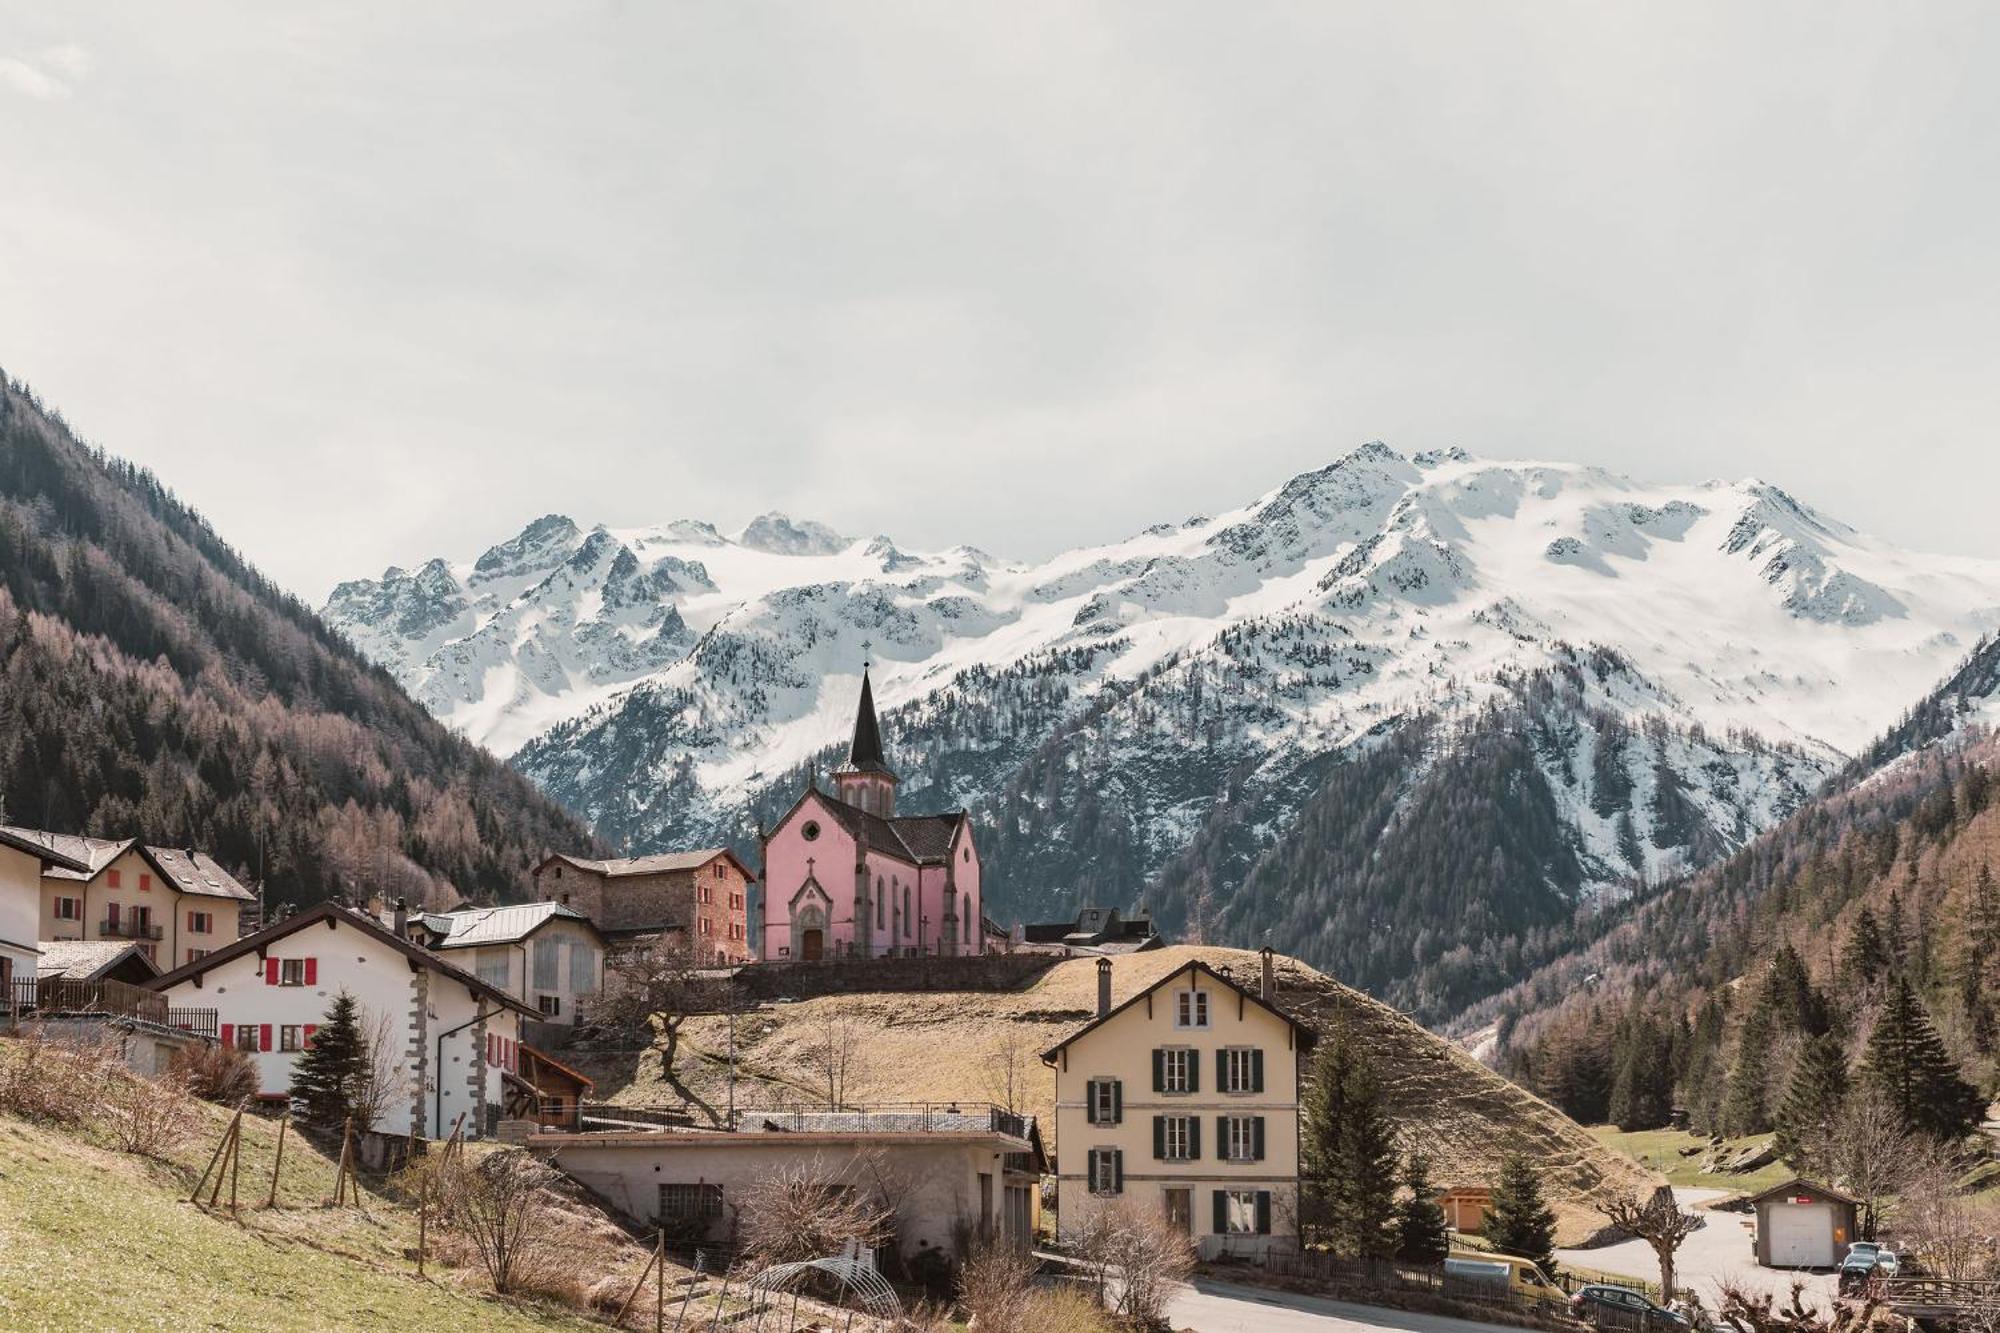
(130,928)
(888,1117)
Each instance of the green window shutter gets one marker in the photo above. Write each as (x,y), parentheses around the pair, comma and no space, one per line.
(1257,1139)
(1221,1212)
(1263,1212)
(1194,1072)
(1117,1101)
(1194,1138)
(1090,1102)
(1159,1070)
(1221,1138)
(1159,1138)
(1257,1070)
(1117,1170)
(1222,1071)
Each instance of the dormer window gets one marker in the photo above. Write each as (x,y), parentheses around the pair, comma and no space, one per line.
(1191,1009)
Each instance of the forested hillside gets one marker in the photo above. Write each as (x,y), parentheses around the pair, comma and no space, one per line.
(152,683)
(1871,919)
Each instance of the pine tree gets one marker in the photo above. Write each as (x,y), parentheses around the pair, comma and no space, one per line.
(327,1075)
(1866,957)
(1811,1109)
(1322,1132)
(1895,934)
(1521,1224)
(1908,1062)
(1364,1189)
(1642,1095)
(1421,1236)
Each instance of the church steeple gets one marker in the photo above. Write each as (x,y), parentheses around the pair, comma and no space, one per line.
(866,780)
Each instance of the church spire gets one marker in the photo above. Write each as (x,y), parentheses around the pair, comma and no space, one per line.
(865,754)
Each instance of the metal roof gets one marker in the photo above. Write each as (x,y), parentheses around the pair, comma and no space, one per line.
(496,925)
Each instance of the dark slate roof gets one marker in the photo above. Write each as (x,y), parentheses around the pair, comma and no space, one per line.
(865,754)
(59,851)
(658,863)
(87,960)
(918,839)
(196,872)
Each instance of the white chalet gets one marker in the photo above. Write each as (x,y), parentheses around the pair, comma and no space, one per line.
(458,1036)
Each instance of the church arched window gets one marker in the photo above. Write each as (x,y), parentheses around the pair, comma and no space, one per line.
(906,911)
(878,907)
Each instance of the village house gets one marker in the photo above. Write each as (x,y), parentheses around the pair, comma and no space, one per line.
(23,861)
(844,873)
(175,903)
(547,955)
(456,1038)
(1184,1100)
(947,1173)
(702,897)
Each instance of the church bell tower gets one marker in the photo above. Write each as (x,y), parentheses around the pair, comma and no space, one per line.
(865,780)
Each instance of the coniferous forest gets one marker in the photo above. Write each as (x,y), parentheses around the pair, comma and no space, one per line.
(153,684)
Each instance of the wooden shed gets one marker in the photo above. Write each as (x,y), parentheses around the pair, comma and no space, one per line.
(1801,1224)
(547,1091)
(1465,1207)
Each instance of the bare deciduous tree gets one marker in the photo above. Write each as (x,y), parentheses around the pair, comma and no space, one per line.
(1007,1071)
(1659,1221)
(807,1210)
(1871,1154)
(503,1201)
(996,1285)
(833,1055)
(383,1083)
(1134,1253)
(658,982)
(1953,1233)
(1759,1312)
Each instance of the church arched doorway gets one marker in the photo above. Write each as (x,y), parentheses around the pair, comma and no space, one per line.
(812,945)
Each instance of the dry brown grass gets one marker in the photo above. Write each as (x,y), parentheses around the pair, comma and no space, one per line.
(940,1046)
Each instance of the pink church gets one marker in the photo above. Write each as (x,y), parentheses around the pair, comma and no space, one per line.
(844,874)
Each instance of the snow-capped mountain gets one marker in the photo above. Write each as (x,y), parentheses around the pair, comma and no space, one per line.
(1657,672)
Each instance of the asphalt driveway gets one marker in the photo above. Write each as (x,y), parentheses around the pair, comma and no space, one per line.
(1718,1253)
(1209,1306)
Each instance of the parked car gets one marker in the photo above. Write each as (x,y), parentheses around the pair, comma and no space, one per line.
(1604,1306)
(1866,1259)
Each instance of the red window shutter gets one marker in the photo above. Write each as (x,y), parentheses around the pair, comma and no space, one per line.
(310,1029)
(145,883)
(228,1035)
(312,971)
(190,920)
(111,914)
(263,1036)
(112,882)
(270,971)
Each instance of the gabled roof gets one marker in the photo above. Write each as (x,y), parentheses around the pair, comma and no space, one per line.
(1800,1184)
(59,851)
(84,859)
(543,1057)
(918,839)
(1306,1035)
(87,960)
(658,863)
(342,916)
(498,925)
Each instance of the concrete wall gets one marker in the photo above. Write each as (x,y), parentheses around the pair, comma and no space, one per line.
(1123,1049)
(935,1176)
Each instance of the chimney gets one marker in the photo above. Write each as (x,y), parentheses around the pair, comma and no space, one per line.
(1268,990)
(1103,987)
(402,919)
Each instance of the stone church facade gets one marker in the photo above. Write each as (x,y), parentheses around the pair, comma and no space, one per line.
(846,875)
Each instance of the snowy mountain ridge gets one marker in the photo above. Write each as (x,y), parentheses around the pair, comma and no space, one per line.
(666,681)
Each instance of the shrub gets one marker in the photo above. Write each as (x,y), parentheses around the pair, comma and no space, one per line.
(994,1284)
(51,1078)
(150,1117)
(1147,1256)
(216,1074)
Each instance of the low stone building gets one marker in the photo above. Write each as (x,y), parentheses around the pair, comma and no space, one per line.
(701,896)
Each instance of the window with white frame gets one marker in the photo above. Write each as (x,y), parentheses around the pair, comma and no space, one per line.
(1106,1106)
(1107,1175)
(1242,1069)
(1191,1009)
(1239,1213)
(1177,1137)
(1240,1138)
(550,1005)
(288,1037)
(246,1037)
(1177,1069)
(292,972)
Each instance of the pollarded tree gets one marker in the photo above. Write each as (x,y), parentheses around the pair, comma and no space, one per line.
(1421,1236)
(328,1076)
(1908,1063)
(1661,1222)
(1521,1223)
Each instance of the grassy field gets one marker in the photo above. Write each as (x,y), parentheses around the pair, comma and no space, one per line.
(1661,1150)
(91,1237)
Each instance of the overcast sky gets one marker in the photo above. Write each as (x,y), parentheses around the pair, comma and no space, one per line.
(367,283)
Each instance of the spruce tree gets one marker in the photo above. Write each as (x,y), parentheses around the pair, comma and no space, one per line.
(1322,1133)
(1866,957)
(1908,1062)
(1642,1095)
(1421,1236)
(1521,1224)
(1364,1189)
(1811,1109)
(327,1075)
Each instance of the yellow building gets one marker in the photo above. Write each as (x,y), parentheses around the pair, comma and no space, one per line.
(1184,1100)
(177,904)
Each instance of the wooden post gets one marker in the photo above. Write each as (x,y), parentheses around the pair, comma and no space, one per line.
(660,1284)
(341,1172)
(231,1139)
(687,1292)
(278,1164)
(721,1291)
(637,1286)
(235,1165)
(423,1217)
(215,1156)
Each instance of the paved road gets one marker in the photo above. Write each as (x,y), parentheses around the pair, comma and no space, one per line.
(1207,1306)
(1717,1253)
